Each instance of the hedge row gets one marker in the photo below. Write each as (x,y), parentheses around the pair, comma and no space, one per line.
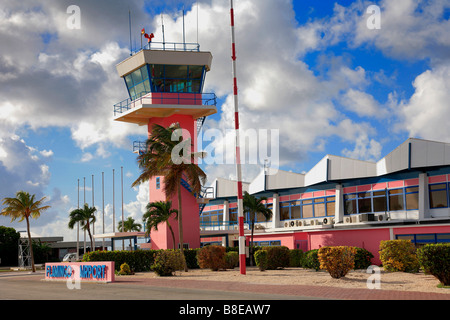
(138,260)
(279,257)
(401,255)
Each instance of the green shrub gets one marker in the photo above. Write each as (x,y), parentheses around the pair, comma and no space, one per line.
(125,269)
(363,258)
(231,259)
(139,260)
(261,259)
(399,255)
(435,260)
(191,258)
(167,262)
(277,257)
(212,257)
(295,258)
(311,260)
(338,261)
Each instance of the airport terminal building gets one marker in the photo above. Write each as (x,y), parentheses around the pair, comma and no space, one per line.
(343,201)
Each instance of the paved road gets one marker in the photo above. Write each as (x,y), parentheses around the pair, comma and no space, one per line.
(28,286)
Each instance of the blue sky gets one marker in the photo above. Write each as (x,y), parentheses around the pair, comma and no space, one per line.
(312,70)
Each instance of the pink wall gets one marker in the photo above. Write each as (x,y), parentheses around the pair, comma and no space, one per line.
(162,239)
(176,98)
(422,230)
(367,239)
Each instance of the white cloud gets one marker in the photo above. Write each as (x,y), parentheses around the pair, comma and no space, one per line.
(87,156)
(363,104)
(425,114)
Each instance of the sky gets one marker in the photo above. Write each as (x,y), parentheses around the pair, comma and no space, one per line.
(348,78)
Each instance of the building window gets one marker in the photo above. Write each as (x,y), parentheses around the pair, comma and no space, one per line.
(296,210)
(420,240)
(212,217)
(438,195)
(396,200)
(268,243)
(331,206)
(176,78)
(307,209)
(284,211)
(319,207)
(350,204)
(364,202)
(412,198)
(138,83)
(158,183)
(379,201)
(233,214)
(382,200)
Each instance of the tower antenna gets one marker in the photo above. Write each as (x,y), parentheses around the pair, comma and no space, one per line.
(197,21)
(184,34)
(164,39)
(129,25)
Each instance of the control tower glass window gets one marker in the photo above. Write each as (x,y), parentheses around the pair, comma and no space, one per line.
(176,78)
(138,83)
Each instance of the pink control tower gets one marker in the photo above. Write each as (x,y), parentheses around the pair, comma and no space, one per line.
(165,86)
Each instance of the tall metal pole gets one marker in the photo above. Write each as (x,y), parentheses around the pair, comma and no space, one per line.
(121,177)
(84,202)
(242,266)
(103,209)
(78,223)
(93,223)
(114,207)
(114,216)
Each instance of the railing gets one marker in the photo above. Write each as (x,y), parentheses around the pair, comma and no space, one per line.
(170,46)
(185,98)
(220,225)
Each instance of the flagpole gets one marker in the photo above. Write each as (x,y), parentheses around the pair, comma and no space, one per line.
(242,266)
(78,224)
(103,209)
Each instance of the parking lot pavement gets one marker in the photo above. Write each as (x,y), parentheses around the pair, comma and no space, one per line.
(28,286)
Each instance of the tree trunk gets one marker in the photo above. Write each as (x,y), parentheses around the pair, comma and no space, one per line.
(180,227)
(173,235)
(90,237)
(251,243)
(30,243)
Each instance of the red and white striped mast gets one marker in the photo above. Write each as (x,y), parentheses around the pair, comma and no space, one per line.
(238,151)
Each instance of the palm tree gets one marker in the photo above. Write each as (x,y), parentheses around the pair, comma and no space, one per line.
(160,212)
(158,160)
(129,225)
(86,217)
(23,207)
(254,206)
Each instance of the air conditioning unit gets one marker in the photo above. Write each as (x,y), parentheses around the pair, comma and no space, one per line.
(298,223)
(348,219)
(364,217)
(312,222)
(286,224)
